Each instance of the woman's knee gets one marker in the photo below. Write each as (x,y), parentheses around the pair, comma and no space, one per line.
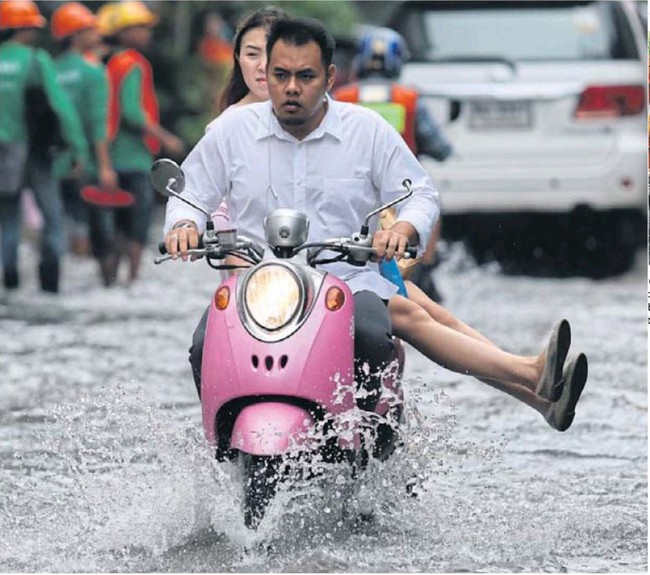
(404,311)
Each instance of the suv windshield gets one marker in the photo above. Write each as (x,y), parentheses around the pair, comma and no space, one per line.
(520,31)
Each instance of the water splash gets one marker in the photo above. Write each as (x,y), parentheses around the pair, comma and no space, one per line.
(117,483)
(323,505)
(111,482)
(114,480)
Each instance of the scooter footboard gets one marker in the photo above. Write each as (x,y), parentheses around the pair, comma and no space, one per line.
(270,428)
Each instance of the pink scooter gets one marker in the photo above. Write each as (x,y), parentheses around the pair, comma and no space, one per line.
(278,358)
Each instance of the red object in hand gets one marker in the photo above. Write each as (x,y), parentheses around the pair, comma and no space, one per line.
(107,198)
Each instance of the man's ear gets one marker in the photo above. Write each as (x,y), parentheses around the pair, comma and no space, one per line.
(331,75)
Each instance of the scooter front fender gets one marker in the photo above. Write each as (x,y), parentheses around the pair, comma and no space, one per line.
(270,428)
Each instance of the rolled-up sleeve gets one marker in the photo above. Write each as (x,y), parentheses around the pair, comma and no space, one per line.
(397,163)
(205,182)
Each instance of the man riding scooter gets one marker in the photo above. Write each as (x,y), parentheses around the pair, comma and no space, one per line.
(377,67)
(305,151)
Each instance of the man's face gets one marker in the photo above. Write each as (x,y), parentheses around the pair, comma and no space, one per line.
(297,82)
(87,39)
(138,37)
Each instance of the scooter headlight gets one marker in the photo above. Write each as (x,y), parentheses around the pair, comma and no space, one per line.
(272,296)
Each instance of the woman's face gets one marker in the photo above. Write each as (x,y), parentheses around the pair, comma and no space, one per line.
(252,60)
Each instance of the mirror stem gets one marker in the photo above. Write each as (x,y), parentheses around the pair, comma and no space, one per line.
(407,184)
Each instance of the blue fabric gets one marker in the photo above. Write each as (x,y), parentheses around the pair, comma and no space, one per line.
(390,271)
(430,139)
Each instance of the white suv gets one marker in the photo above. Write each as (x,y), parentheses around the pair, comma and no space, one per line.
(545,105)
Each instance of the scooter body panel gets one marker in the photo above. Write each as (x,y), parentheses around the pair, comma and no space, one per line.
(270,428)
(315,363)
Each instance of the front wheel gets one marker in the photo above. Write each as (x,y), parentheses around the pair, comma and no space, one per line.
(261,476)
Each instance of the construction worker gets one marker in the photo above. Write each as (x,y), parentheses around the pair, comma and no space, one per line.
(133,120)
(84,78)
(377,68)
(29,71)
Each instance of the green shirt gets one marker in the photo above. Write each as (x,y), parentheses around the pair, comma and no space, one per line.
(128,151)
(21,65)
(86,83)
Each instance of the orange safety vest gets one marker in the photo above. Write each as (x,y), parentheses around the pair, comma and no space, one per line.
(400,95)
(118,68)
(216,51)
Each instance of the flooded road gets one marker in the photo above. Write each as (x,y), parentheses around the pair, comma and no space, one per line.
(103,465)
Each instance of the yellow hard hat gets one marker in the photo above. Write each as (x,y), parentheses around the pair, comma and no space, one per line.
(106,19)
(130,13)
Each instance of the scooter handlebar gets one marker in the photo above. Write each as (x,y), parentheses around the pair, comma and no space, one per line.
(162,248)
(410,252)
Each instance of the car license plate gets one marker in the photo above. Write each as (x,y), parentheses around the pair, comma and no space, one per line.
(500,114)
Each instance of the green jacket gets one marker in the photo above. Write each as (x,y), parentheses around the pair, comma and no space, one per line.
(21,65)
(86,84)
(128,151)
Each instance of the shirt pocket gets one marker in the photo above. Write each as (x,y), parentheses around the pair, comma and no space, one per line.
(345,203)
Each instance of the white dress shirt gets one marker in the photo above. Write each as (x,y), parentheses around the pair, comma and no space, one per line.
(352,163)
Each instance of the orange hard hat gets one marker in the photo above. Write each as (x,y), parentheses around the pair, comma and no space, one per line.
(131,13)
(20,14)
(71,18)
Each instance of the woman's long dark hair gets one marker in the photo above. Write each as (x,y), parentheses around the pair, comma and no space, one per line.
(236,88)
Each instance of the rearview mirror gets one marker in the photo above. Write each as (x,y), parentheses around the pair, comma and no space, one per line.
(167,177)
(169,180)
(406,184)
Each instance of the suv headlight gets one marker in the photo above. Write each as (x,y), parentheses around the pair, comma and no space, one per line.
(272,296)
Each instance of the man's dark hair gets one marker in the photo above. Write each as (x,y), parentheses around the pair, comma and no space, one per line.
(300,31)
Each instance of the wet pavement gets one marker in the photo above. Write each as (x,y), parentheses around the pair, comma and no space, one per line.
(103,465)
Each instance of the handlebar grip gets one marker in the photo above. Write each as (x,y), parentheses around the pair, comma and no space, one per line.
(163,249)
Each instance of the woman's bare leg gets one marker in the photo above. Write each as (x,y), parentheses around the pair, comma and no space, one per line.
(442,315)
(445,317)
(466,353)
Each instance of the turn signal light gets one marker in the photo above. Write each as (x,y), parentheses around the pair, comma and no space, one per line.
(598,102)
(222,298)
(334,298)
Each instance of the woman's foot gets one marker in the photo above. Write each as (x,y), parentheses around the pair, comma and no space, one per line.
(561,413)
(551,382)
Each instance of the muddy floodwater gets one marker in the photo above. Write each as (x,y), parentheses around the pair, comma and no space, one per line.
(103,465)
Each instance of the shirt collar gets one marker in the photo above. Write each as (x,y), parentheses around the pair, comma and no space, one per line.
(268,124)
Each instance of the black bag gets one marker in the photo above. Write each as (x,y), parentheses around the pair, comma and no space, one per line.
(43,124)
